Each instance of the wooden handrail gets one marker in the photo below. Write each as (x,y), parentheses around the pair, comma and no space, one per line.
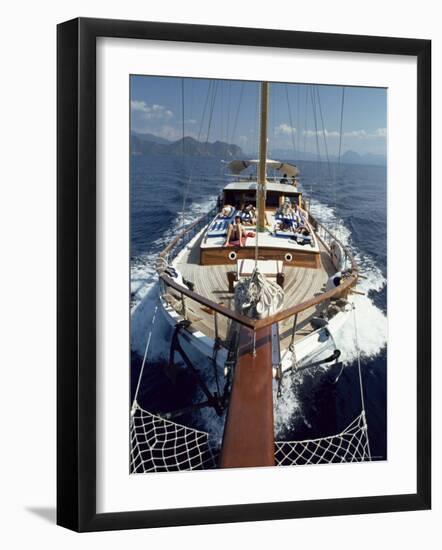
(260,323)
(256,324)
(354,266)
(230,313)
(285,313)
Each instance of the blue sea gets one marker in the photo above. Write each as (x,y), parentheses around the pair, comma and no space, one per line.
(351,200)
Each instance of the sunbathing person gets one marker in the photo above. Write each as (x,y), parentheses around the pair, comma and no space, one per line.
(236,232)
(282,225)
(226,211)
(286,210)
(301,215)
(248,215)
(303,230)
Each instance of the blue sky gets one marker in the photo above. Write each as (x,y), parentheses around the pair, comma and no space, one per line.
(299,115)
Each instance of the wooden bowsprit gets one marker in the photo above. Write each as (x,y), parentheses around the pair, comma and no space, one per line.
(249,433)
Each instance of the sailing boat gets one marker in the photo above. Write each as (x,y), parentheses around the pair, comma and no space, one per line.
(258,288)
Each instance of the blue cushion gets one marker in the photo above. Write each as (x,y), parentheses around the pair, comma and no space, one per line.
(283,234)
(289,220)
(218,227)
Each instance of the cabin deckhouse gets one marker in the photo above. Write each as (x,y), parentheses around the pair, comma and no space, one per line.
(274,243)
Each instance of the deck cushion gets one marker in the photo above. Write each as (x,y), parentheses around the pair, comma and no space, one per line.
(218,227)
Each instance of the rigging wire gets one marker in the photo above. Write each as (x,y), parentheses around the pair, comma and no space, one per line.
(229,91)
(315,120)
(339,148)
(297,116)
(211,114)
(323,132)
(332,173)
(237,111)
(340,128)
(304,151)
(258,102)
(183,152)
(305,120)
(255,123)
(146,351)
(200,131)
(292,133)
(361,387)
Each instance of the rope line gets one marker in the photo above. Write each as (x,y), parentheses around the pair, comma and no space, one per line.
(146,350)
(361,387)
(211,90)
(183,152)
(237,112)
(290,119)
(340,128)
(340,146)
(323,131)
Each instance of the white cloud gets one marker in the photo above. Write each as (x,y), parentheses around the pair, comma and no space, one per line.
(328,133)
(172,133)
(150,112)
(243,140)
(356,134)
(360,134)
(284,129)
(380,132)
(169,132)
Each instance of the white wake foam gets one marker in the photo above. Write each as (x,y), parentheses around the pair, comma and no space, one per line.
(142,273)
(371,321)
(144,286)
(287,406)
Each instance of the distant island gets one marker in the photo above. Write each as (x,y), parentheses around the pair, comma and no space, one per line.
(150,144)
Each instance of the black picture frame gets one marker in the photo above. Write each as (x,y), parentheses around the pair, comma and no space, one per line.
(76,274)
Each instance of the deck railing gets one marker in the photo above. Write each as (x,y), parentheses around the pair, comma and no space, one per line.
(183,238)
(186,235)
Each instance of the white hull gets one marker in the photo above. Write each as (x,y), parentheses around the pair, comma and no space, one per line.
(314,346)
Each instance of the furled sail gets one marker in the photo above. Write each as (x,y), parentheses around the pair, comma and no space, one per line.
(257,297)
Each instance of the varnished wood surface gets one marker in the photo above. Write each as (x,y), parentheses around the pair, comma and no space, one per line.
(220,256)
(249,434)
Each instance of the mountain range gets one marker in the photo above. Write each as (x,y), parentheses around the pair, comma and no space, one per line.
(150,144)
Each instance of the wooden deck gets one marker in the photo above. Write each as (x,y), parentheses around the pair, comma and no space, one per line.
(211,282)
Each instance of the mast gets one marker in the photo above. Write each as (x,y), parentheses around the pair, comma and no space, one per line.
(261,190)
(248,438)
